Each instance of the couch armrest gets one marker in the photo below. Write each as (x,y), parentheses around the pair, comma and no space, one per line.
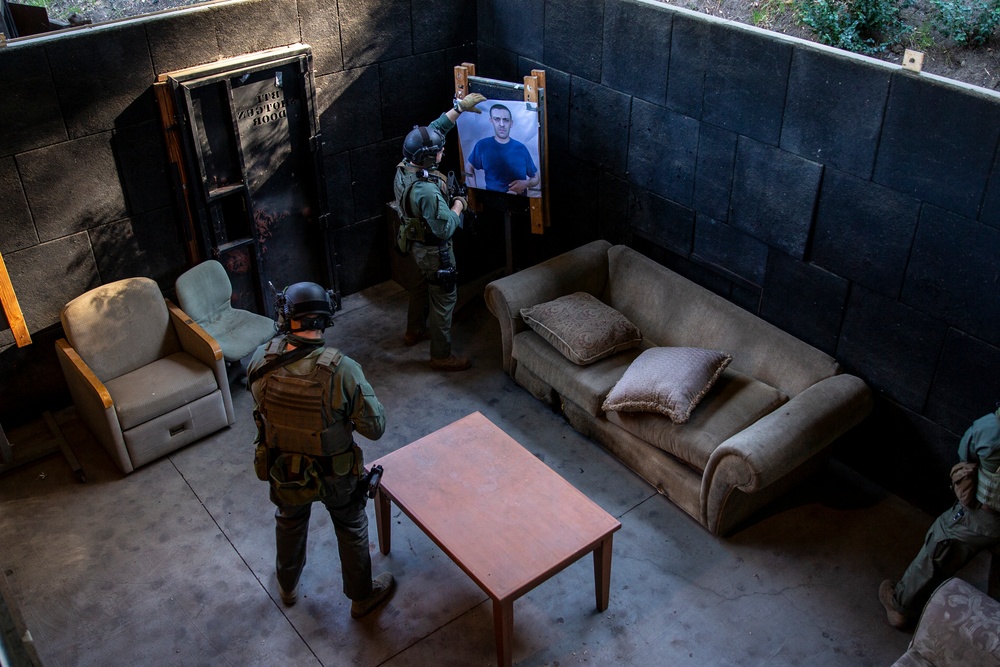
(93,403)
(960,625)
(780,442)
(200,345)
(583,269)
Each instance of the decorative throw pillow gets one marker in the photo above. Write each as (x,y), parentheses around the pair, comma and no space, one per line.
(582,327)
(668,380)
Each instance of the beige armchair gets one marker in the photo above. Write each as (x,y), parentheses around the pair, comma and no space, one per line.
(145,379)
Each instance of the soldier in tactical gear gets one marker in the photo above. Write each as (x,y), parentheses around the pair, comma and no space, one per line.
(309,399)
(958,535)
(430,217)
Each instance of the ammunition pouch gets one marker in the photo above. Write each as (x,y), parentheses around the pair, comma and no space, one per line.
(297,479)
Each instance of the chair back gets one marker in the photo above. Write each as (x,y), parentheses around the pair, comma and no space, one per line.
(119,327)
(204,291)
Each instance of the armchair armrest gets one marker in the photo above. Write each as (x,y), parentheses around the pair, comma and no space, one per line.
(93,402)
(779,443)
(193,338)
(584,269)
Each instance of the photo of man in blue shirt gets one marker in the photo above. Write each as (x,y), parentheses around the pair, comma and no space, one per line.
(506,163)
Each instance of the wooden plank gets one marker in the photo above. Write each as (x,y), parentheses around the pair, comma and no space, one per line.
(12,309)
(546,212)
(462,74)
(175,156)
(536,206)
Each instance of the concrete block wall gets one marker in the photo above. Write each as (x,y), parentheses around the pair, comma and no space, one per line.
(84,194)
(851,203)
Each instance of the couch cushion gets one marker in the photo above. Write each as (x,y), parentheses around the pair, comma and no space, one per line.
(582,327)
(667,380)
(584,385)
(160,387)
(734,403)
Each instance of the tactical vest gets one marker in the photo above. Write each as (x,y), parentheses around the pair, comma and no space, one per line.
(988,488)
(416,227)
(295,409)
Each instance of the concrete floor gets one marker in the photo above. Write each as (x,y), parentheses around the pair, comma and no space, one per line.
(173,564)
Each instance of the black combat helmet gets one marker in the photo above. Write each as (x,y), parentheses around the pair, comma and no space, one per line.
(421,146)
(307,302)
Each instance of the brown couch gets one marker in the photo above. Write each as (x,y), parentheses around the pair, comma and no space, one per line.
(766,423)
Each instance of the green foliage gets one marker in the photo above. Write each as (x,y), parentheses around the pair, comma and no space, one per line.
(968,22)
(862,26)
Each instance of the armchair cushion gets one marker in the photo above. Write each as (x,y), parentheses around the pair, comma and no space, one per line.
(160,387)
(582,327)
(667,380)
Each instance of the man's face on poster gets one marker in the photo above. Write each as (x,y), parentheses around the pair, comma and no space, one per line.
(502,122)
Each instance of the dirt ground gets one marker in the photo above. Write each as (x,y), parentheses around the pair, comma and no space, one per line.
(980,66)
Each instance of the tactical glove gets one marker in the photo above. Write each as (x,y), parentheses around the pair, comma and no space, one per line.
(469,102)
(465,203)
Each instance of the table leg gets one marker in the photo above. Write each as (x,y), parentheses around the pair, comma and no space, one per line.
(602,573)
(383,520)
(503,628)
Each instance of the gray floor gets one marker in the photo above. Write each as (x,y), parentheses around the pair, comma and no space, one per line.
(173,564)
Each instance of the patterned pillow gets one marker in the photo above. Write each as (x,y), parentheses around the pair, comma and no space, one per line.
(582,327)
(668,380)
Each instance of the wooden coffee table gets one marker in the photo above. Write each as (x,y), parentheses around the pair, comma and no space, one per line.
(502,515)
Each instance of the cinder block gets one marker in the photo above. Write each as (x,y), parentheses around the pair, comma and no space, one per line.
(662,151)
(962,392)
(96,92)
(373,31)
(17,231)
(746,82)
(804,300)
(372,169)
(28,84)
(668,223)
(690,55)
(440,24)
(144,245)
(415,91)
(989,214)
(349,107)
(143,159)
(72,186)
(833,112)
(892,346)
(729,250)
(523,36)
(255,25)
(863,231)
(496,63)
(613,206)
(953,273)
(574,32)
(339,191)
(48,275)
(774,194)
(937,143)
(599,131)
(636,50)
(364,257)
(486,22)
(320,25)
(183,39)
(574,192)
(713,180)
